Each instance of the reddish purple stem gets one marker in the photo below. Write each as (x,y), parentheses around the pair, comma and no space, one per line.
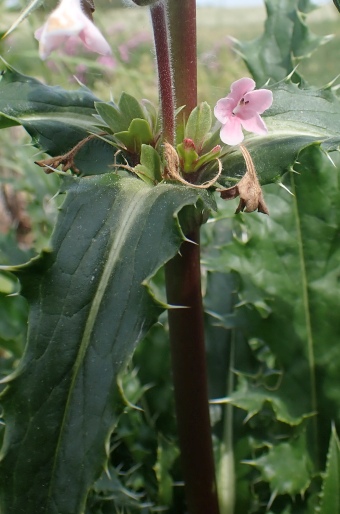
(160,30)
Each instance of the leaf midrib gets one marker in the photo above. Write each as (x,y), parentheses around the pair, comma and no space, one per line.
(131,214)
(306,307)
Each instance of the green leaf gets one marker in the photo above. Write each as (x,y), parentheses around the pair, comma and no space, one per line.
(330,495)
(285,41)
(130,108)
(96,157)
(112,116)
(149,169)
(188,155)
(297,118)
(198,124)
(89,307)
(119,118)
(286,467)
(109,486)
(289,261)
(12,325)
(56,119)
(139,133)
(337,4)
(252,399)
(167,453)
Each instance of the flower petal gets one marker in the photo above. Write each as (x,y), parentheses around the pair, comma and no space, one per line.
(67,20)
(231,132)
(48,42)
(254,124)
(259,100)
(240,87)
(93,39)
(223,109)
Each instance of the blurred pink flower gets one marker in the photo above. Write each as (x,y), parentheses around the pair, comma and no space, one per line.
(242,108)
(132,44)
(81,71)
(67,20)
(108,61)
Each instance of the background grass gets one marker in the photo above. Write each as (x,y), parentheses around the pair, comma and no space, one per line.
(132,67)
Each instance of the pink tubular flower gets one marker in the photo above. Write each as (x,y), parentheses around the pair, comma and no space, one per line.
(242,108)
(67,20)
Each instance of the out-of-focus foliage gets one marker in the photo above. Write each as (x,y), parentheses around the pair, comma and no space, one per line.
(272,325)
(285,328)
(286,41)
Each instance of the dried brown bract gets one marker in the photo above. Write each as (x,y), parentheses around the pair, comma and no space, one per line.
(248,189)
(67,160)
(172,169)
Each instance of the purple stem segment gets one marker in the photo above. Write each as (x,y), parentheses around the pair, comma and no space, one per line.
(183,283)
(160,30)
(182,27)
(183,273)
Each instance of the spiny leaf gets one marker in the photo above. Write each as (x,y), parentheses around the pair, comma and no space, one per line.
(286,467)
(290,261)
(89,307)
(285,41)
(330,496)
(56,119)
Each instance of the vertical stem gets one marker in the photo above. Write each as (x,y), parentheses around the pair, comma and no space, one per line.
(160,30)
(226,470)
(182,26)
(183,275)
(183,281)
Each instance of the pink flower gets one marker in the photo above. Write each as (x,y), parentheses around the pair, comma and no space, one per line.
(242,108)
(68,20)
(108,61)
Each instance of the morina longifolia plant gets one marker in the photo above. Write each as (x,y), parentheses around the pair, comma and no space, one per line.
(140,183)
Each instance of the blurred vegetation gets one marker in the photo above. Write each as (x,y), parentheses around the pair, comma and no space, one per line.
(144,453)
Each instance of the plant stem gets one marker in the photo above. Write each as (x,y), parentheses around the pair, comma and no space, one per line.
(183,281)
(160,30)
(183,275)
(182,27)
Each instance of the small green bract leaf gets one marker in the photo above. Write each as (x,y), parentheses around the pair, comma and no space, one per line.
(149,169)
(130,108)
(139,133)
(111,116)
(199,124)
(119,117)
(188,156)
